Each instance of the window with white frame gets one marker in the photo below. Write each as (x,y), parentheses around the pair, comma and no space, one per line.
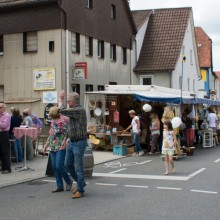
(89,3)
(89,46)
(30,42)
(146,80)
(113,11)
(113,52)
(89,88)
(75,42)
(1,45)
(101,49)
(124,55)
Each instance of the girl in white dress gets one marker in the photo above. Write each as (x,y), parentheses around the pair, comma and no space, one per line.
(168,147)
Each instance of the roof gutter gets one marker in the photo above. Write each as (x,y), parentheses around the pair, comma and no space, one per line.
(25,4)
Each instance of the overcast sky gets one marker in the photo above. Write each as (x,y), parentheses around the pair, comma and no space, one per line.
(206,14)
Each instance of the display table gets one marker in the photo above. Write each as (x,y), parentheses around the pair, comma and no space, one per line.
(25,131)
(108,140)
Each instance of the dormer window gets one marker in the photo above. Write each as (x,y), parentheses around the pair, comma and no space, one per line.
(113,12)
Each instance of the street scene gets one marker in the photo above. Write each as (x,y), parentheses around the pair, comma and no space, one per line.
(109,109)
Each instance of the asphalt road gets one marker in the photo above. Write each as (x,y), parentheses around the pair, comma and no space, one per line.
(130,188)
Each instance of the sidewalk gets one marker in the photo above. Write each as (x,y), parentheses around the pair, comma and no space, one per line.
(38,168)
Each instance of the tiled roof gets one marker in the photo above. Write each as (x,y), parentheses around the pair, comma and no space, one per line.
(140,17)
(204,45)
(163,39)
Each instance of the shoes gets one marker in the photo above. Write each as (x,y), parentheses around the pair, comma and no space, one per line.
(141,153)
(134,154)
(77,195)
(157,152)
(150,153)
(69,186)
(75,189)
(6,171)
(166,173)
(57,190)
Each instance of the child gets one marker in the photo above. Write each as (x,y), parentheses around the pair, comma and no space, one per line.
(169,142)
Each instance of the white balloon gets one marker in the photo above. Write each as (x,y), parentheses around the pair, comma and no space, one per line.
(98,111)
(147,108)
(176,122)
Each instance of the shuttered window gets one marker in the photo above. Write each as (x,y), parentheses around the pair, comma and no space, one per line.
(75,42)
(30,41)
(113,52)
(89,46)
(101,49)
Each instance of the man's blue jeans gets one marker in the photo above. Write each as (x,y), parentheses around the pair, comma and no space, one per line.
(136,143)
(17,148)
(57,160)
(74,162)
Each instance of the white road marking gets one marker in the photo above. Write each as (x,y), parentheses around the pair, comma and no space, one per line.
(169,188)
(202,191)
(218,160)
(136,176)
(135,186)
(151,177)
(106,184)
(196,173)
(116,171)
(147,161)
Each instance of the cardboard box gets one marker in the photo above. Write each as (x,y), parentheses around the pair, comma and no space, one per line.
(120,150)
(130,150)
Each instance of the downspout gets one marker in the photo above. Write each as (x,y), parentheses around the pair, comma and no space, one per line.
(67,48)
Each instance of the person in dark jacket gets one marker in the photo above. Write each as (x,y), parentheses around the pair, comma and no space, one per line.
(16,120)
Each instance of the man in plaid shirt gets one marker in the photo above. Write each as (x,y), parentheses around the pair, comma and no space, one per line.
(77,133)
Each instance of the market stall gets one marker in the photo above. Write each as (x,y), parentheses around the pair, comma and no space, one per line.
(107,111)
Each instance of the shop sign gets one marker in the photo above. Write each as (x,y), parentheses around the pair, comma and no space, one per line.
(80,71)
(47,119)
(44,78)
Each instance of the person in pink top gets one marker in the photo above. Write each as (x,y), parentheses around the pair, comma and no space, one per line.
(5,121)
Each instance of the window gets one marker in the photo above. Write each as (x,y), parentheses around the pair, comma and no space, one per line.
(1,45)
(101,49)
(112,83)
(75,42)
(76,88)
(124,55)
(146,80)
(113,12)
(30,42)
(89,46)
(89,3)
(101,88)
(51,46)
(89,88)
(113,52)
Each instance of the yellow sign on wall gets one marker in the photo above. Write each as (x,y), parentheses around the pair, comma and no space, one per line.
(203,73)
(44,79)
